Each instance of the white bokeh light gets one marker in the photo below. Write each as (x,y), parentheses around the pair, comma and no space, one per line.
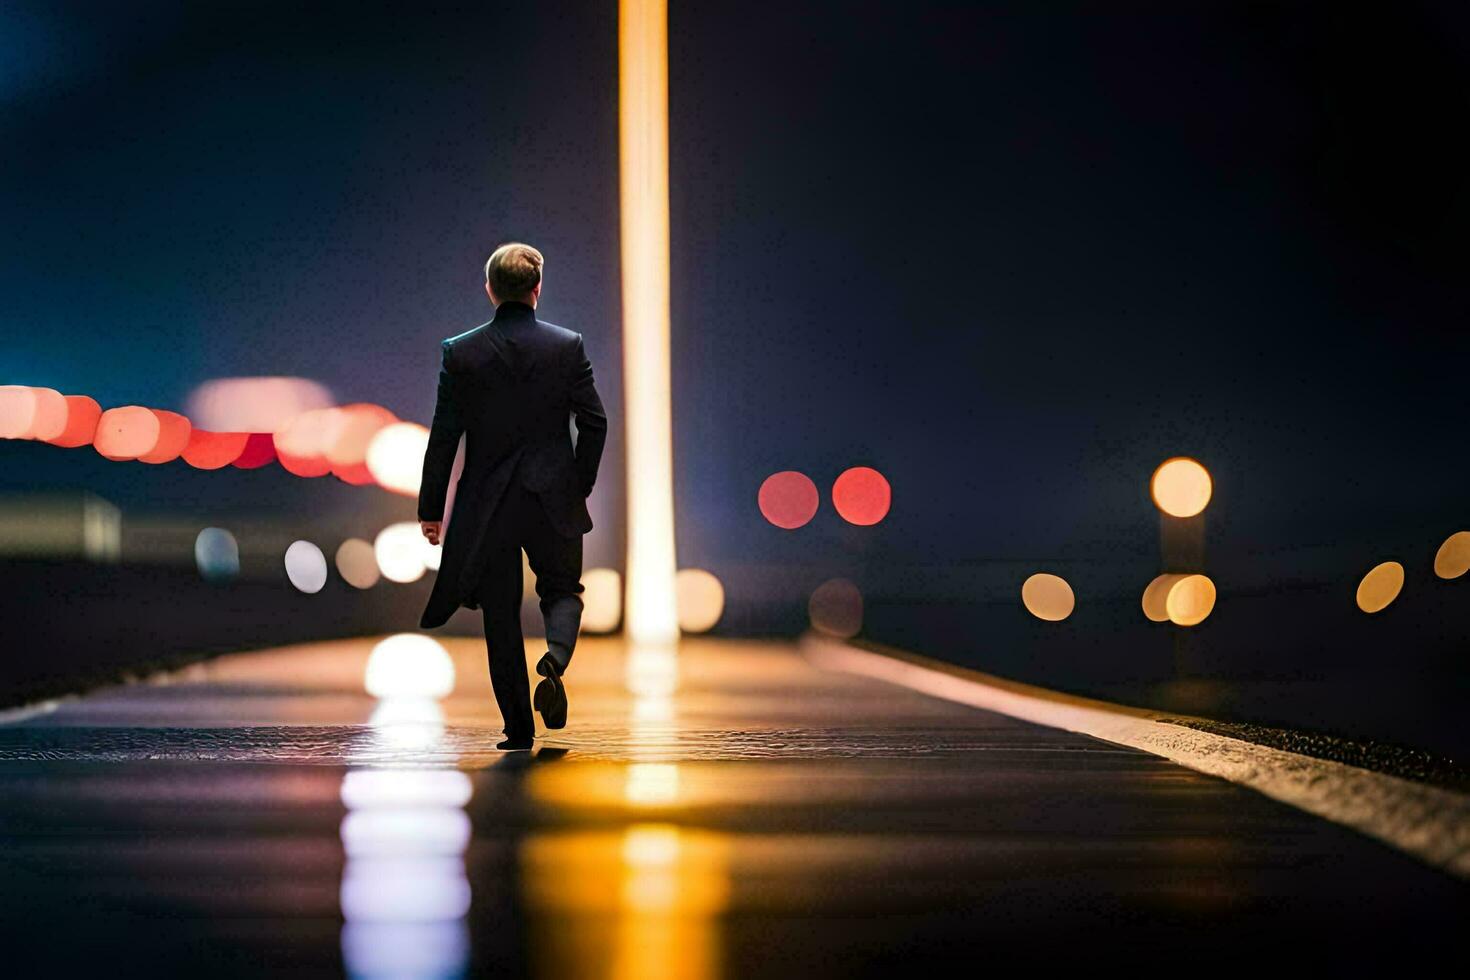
(254,404)
(409,665)
(364,789)
(400,550)
(424,831)
(405,889)
(395,457)
(306,566)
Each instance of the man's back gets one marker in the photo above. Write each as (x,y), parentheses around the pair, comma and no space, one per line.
(511,387)
(513,384)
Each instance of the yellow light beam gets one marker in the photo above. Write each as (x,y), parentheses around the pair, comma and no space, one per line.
(643,128)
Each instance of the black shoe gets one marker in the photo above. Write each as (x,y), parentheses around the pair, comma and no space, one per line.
(551,695)
(515,744)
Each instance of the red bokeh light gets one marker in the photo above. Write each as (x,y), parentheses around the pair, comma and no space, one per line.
(260,449)
(862,496)
(212,450)
(788,499)
(313,442)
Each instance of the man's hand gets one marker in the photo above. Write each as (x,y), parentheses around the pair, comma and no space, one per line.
(432,530)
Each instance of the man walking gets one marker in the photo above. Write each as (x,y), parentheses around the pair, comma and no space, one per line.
(511,386)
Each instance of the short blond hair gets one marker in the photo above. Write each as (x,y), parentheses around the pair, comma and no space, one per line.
(513,270)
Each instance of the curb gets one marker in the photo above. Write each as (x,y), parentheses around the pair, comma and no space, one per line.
(1428,822)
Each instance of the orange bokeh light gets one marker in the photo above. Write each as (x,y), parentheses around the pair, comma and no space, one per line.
(862,496)
(308,466)
(213,450)
(1190,600)
(1156,596)
(127,433)
(348,453)
(302,443)
(1380,587)
(1048,597)
(788,499)
(173,437)
(1453,557)
(82,416)
(1181,487)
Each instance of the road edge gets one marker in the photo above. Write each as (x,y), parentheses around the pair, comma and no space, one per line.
(1429,822)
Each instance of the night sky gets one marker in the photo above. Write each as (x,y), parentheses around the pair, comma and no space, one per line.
(1012,255)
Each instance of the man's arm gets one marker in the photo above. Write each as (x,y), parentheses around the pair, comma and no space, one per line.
(591,419)
(439,457)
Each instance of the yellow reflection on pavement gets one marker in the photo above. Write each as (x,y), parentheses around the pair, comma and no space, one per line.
(663,887)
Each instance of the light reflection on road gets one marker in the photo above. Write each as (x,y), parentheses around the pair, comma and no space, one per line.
(405,894)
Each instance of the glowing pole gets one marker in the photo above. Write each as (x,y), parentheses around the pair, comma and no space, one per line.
(643,126)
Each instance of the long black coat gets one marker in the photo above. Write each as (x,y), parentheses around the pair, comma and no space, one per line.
(511,386)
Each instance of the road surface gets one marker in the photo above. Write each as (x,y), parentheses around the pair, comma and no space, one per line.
(729,812)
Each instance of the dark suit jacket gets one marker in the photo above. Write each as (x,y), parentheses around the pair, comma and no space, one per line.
(512,386)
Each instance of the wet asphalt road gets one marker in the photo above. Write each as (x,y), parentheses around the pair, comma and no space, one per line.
(729,812)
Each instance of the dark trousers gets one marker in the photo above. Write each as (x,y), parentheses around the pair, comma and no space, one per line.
(520,523)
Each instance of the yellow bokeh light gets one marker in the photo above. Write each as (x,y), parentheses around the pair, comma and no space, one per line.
(395,457)
(700,600)
(1190,601)
(602,600)
(1157,594)
(1048,597)
(643,157)
(651,672)
(652,784)
(651,845)
(1181,487)
(1453,557)
(1380,586)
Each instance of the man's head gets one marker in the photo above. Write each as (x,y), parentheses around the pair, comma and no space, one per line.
(514,273)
